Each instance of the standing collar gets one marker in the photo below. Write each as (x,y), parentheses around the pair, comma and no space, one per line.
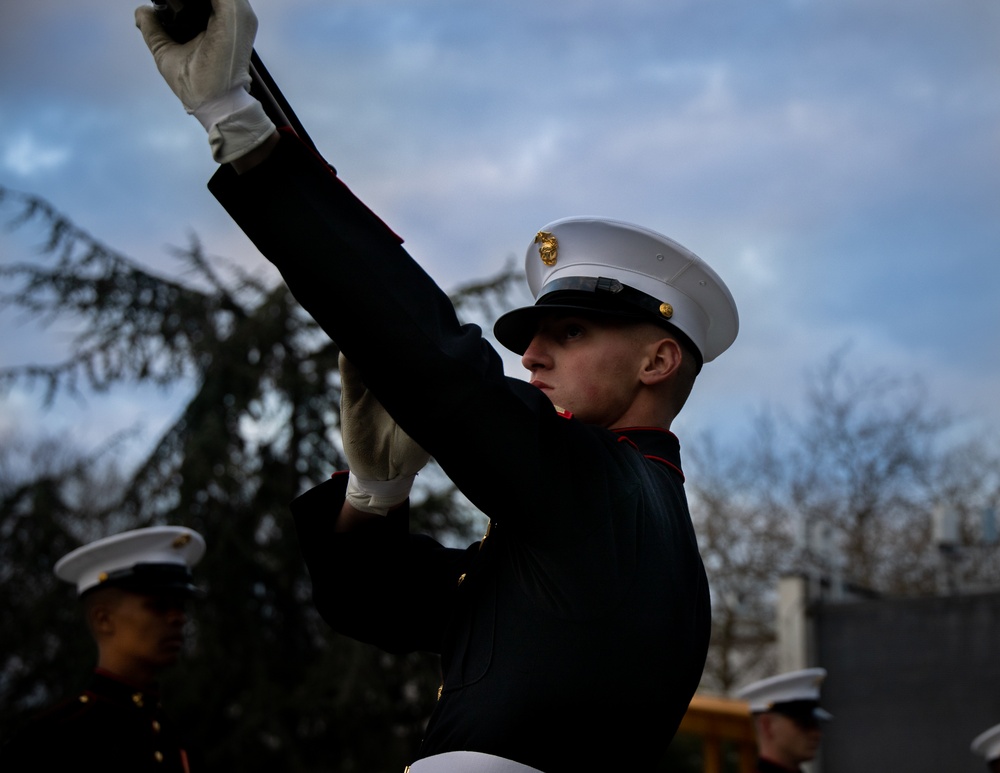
(655,443)
(105,684)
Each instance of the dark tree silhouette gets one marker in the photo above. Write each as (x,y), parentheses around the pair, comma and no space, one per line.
(266,685)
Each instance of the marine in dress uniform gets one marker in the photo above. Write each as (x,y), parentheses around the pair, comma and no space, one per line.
(987,746)
(787,717)
(573,635)
(117,724)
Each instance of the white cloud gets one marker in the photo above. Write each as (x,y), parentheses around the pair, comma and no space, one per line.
(834,160)
(24,155)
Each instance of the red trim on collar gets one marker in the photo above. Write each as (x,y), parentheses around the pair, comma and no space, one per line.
(623,438)
(642,429)
(672,466)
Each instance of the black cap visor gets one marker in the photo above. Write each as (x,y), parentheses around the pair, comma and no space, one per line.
(586,296)
(153,579)
(805,713)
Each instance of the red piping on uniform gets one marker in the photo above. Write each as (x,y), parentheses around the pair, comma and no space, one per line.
(673,467)
(644,429)
(661,460)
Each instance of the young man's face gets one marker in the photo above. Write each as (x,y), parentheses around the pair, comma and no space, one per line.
(589,366)
(797,740)
(148,630)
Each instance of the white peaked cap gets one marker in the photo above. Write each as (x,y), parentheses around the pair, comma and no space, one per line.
(600,265)
(795,687)
(987,744)
(154,558)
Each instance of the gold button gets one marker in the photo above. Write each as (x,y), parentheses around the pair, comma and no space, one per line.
(84,699)
(158,756)
(156,726)
(489,527)
(137,699)
(666,310)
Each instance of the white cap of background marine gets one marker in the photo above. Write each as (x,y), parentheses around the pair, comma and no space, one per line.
(156,559)
(987,744)
(795,693)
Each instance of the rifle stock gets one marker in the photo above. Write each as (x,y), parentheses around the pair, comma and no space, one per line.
(183,19)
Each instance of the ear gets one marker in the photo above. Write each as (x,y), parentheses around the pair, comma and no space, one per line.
(662,361)
(764,725)
(102,619)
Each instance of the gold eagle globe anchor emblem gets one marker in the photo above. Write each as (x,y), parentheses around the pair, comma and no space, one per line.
(548,247)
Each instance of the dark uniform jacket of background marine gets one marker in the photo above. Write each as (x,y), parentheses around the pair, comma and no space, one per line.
(766,766)
(109,727)
(575,635)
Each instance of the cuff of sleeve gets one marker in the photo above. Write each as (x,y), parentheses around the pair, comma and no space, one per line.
(238,133)
(217,109)
(378,496)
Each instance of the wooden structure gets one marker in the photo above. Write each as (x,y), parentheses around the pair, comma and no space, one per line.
(717,721)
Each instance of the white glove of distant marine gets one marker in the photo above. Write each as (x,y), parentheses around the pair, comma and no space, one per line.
(383,459)
(210,74)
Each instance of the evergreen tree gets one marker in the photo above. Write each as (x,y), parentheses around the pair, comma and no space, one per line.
(266,684)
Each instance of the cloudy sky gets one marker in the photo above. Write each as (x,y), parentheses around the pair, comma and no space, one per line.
(836,161)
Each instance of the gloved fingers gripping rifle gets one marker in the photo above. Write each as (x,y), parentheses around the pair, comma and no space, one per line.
(184,20)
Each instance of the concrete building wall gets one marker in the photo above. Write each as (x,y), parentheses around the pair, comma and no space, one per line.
(911,682)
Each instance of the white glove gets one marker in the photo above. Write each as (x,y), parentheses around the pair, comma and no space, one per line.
(210,74)
(382,458)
